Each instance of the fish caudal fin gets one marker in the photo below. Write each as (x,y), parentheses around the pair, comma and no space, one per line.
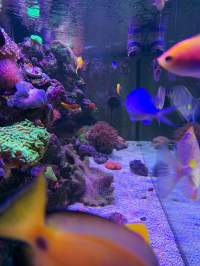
(190,191)
(162,118)
(166,171)
(25,212)
(141,230)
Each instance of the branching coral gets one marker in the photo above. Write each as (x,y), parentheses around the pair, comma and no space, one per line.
(103,137)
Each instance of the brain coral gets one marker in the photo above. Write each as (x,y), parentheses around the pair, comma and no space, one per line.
(23,142)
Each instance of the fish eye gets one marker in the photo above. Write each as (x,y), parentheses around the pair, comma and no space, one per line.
(168,58)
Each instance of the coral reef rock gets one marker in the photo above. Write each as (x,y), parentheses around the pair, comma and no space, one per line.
(97,190)
(10,49)
(138,168)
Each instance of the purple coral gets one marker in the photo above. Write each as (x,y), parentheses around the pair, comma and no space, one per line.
(86,150)
(27,97)
(138,168)
(100,158)
(103,137)
(56,93)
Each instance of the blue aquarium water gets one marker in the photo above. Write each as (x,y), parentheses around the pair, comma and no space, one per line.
(99,132)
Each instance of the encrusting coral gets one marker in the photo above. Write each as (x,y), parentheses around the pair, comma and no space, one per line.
(22,144)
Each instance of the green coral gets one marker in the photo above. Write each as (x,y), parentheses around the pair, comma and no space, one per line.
(24,141)
(49,173)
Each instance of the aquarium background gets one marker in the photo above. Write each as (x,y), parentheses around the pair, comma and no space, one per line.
(98,31)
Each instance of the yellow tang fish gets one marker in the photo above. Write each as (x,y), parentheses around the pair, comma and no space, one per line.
(79,63)
(183,59)
(70,238)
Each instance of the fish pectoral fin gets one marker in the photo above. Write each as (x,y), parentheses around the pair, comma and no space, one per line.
(24,212)
(190,190)
(140,229)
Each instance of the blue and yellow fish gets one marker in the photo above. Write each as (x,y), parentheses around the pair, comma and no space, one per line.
(71,238)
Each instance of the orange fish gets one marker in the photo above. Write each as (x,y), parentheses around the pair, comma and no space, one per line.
(183,59)
(70,238)
(70,107)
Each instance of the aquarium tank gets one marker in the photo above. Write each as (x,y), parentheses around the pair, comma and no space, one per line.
(99,133)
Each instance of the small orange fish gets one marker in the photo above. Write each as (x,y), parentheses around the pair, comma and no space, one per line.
(118,88)
(92,106)
(79,63)
(71,238)
(70,107)
(183,59)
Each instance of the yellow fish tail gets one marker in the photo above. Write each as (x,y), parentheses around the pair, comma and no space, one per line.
(24,215)
(141,230)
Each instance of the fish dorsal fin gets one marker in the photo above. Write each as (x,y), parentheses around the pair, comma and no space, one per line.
(25,212)
(140,229)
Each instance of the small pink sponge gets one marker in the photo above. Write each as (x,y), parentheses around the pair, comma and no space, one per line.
(113,165)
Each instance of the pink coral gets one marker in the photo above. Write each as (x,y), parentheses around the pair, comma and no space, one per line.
(9,74)
(103,137)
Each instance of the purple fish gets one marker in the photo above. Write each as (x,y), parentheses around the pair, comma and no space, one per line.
(140,107)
